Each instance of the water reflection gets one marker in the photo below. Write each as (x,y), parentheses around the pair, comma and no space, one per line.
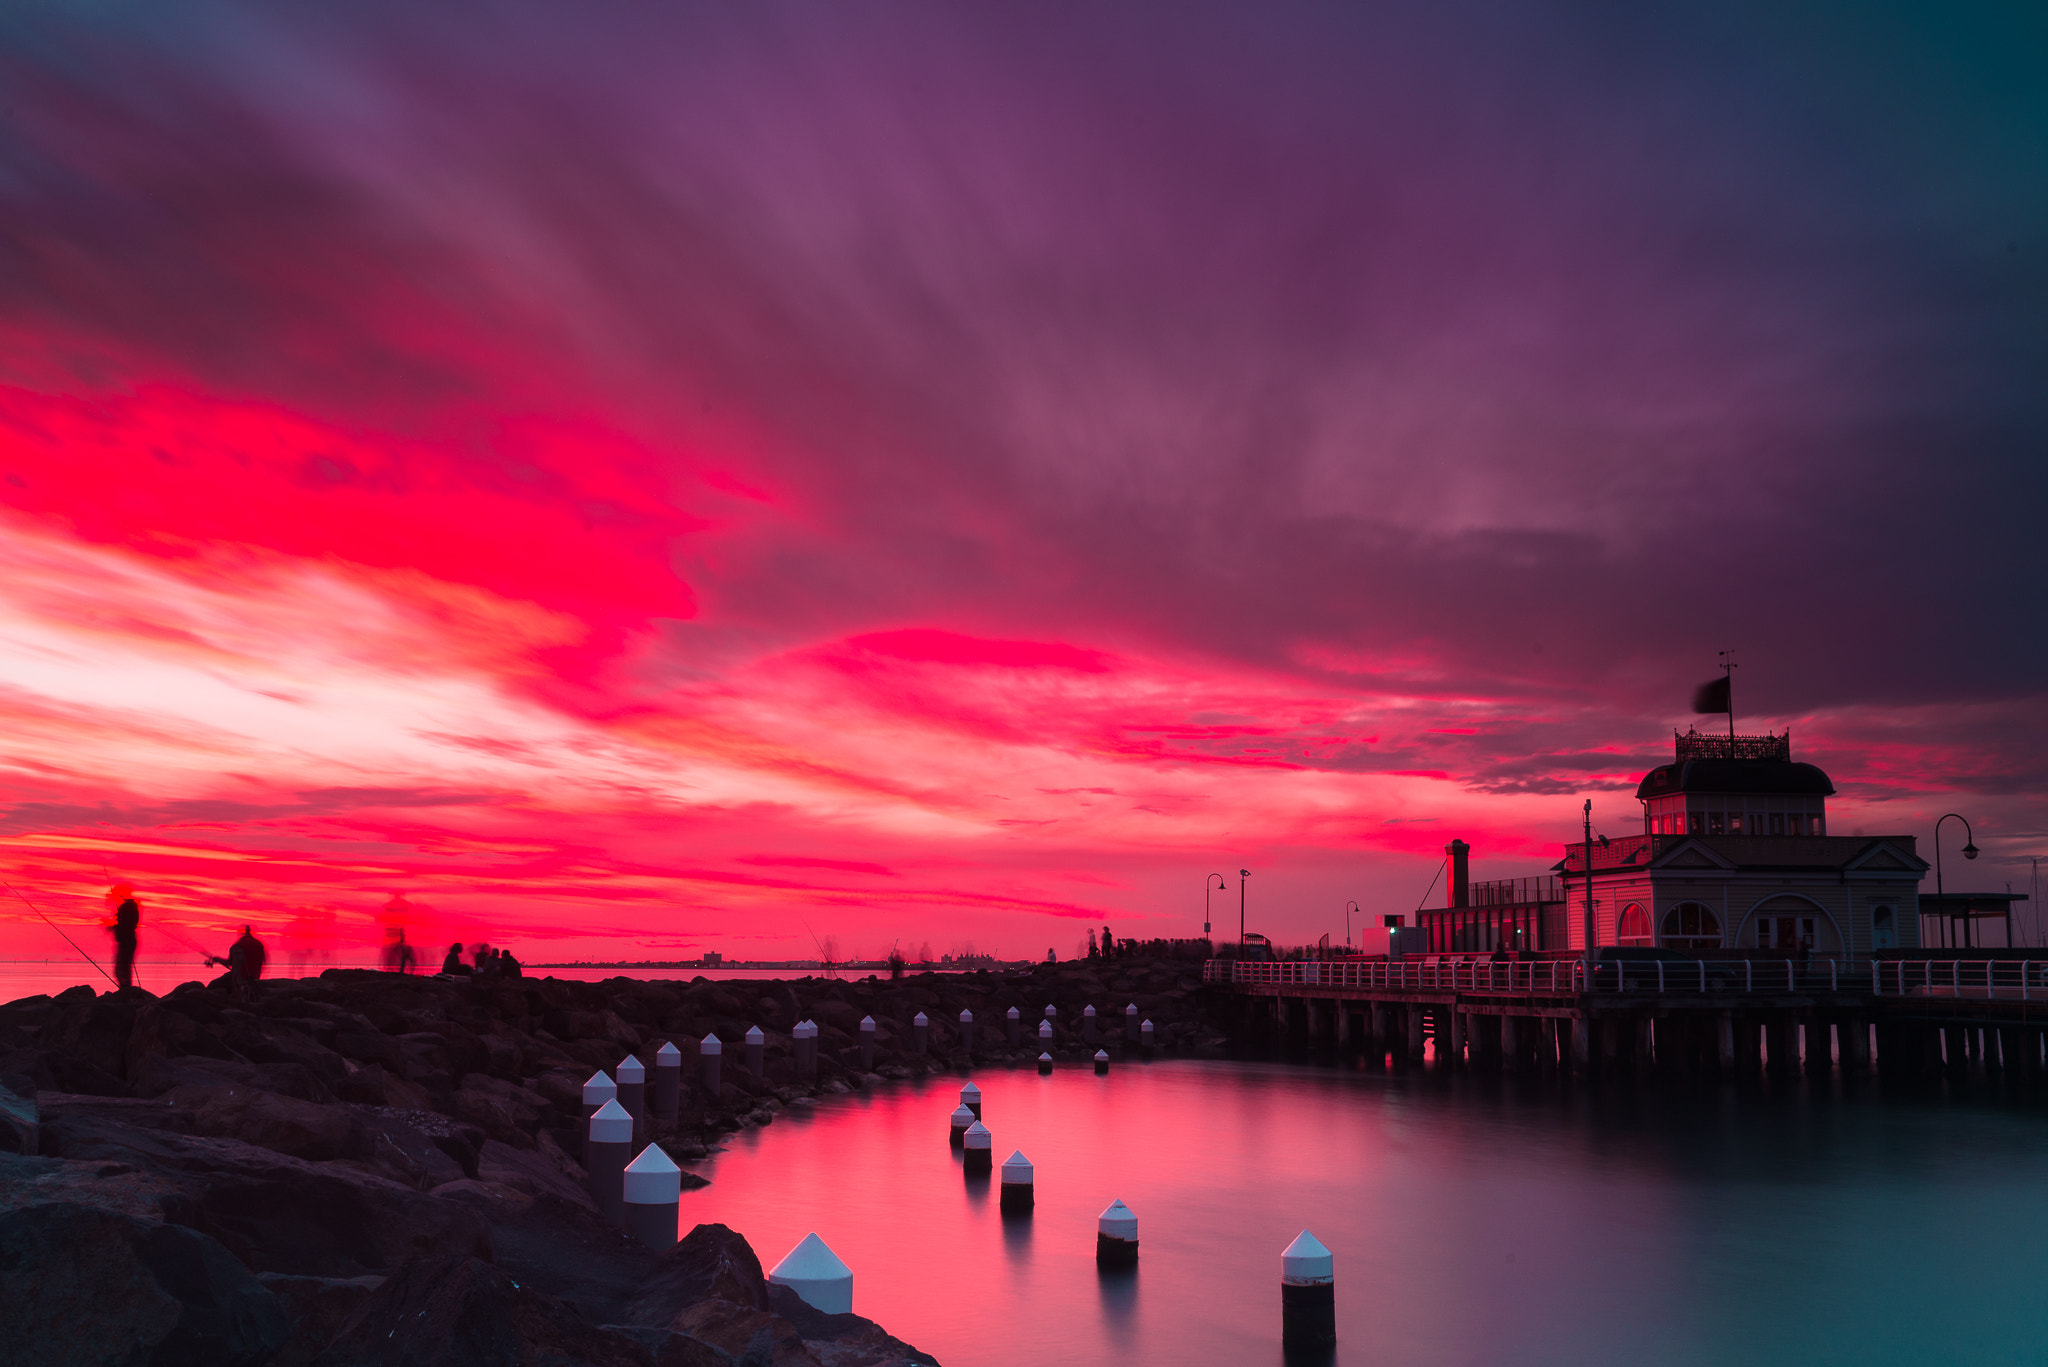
(1473,1220)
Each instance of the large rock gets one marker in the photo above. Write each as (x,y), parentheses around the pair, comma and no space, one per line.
(450,1312)
(317,1308)
(20,1131)
(88,1286)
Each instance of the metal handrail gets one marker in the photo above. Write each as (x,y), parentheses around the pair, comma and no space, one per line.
(1453,973)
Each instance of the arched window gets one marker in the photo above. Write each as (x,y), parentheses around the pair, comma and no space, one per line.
(1691,926)
(1634,926)
(1884,931)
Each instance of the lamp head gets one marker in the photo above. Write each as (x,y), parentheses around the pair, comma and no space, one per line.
(1244,873)
(1970,850)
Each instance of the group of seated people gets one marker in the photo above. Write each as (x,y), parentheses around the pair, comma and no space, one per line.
(487,962)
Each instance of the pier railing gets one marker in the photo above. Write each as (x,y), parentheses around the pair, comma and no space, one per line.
(1985,979)
(1562,977)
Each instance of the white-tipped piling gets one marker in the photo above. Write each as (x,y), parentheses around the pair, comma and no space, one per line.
(1308,1294)
(803,1043)
(1045,1065)
(1101,1062)
(1116,1237)
(1131,1023)
(1088,1025)
(967,1031)
(977,1149)
(1017,1195)
(631,1076)
(867,1043)
(962,1118)
(1045,1040)
(598,1088)
(609,1144)
(921,1033)
(710,1059)
(970,1097)
(668,1081)
(1145,1038)
(757,1052)
(815,1273)
(1016,1020)
(652,1193)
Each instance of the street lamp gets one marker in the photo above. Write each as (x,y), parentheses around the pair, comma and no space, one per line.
(1243,875)
(1206,890)
(1349,907)
(1970,851)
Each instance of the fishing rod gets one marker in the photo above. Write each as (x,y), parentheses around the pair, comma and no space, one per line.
(60,930)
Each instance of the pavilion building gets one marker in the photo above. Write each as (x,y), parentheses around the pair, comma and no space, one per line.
(1734,856)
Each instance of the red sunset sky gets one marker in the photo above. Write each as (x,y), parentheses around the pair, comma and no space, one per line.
(713,476)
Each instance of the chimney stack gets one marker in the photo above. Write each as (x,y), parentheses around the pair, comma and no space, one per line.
(1461,873)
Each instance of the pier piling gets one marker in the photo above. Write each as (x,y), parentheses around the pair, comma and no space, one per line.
(1116,1236)
(1101,1062)
(921,1033)
(962,1118)
(1016,1023)
(710,1059)
(1088,1025)
(1017,1197)
(867,1044)
(970,1097)
(967,1032)
(817,1275)
(598,1088)
(1308,1294)
(1045,1065)
(1131,1023)
(976,1153)
(652,1192)
(631,1078)
(757,1052)
(668,1081)
(610,1144)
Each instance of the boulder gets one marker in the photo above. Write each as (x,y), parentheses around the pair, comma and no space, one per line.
(439,1311)
(19,1126)
(317,1307)
(88,1286)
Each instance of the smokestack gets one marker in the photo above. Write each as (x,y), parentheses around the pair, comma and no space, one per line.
(1461,873)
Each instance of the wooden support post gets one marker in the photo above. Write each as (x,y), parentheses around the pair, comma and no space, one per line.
(1344,1038)
(1855,1033)
(1724,1038)
(1582,1044)
(1511,1044)
(1312,1021)
(1642,1033)
(1456,1055)
(1414,1014)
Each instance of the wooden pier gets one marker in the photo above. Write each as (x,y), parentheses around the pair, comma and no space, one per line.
(1906,1016)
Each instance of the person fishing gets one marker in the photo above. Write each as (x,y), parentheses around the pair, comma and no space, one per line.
(127,917)
(244,964)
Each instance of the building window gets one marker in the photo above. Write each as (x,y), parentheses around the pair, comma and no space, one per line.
(1777,823)
(1634,926)
(1699,823)
(1691,926)
(1716,824)
(1735,823)
(1884,931)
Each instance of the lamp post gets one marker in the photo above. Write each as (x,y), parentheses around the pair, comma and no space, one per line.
(1970,851)
(1206,890)
(1243,875)
(1349,907)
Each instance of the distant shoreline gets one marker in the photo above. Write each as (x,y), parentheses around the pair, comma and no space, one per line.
(787,965)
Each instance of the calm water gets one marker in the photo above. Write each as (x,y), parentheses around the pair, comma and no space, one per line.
(1473,1222)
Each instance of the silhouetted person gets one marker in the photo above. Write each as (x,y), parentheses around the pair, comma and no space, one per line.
(453,963)
(507,965)
(244,964)
(126,917)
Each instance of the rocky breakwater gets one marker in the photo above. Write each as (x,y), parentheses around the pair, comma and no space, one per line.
(370,1167)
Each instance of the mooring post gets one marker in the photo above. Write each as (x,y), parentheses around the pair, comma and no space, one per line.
(632,1080)
(970,1097)
(710,1058)
(1146,1036)
(867,1044)
(976,1154)
(1045,1035)
(804,1043)
(652,1192)
(757,1052)
(967,1032)
(1308,1294)
(610,1145)
(598,1088)
(1131,1023)
(1016,1197)
(1116,1237)
(817,1276)
(1052,1016)
(1016,1019)
(1101,1062)
(668,1082)
(962,1118)
(1045,1065)
(920,1033)
(1088,1024)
